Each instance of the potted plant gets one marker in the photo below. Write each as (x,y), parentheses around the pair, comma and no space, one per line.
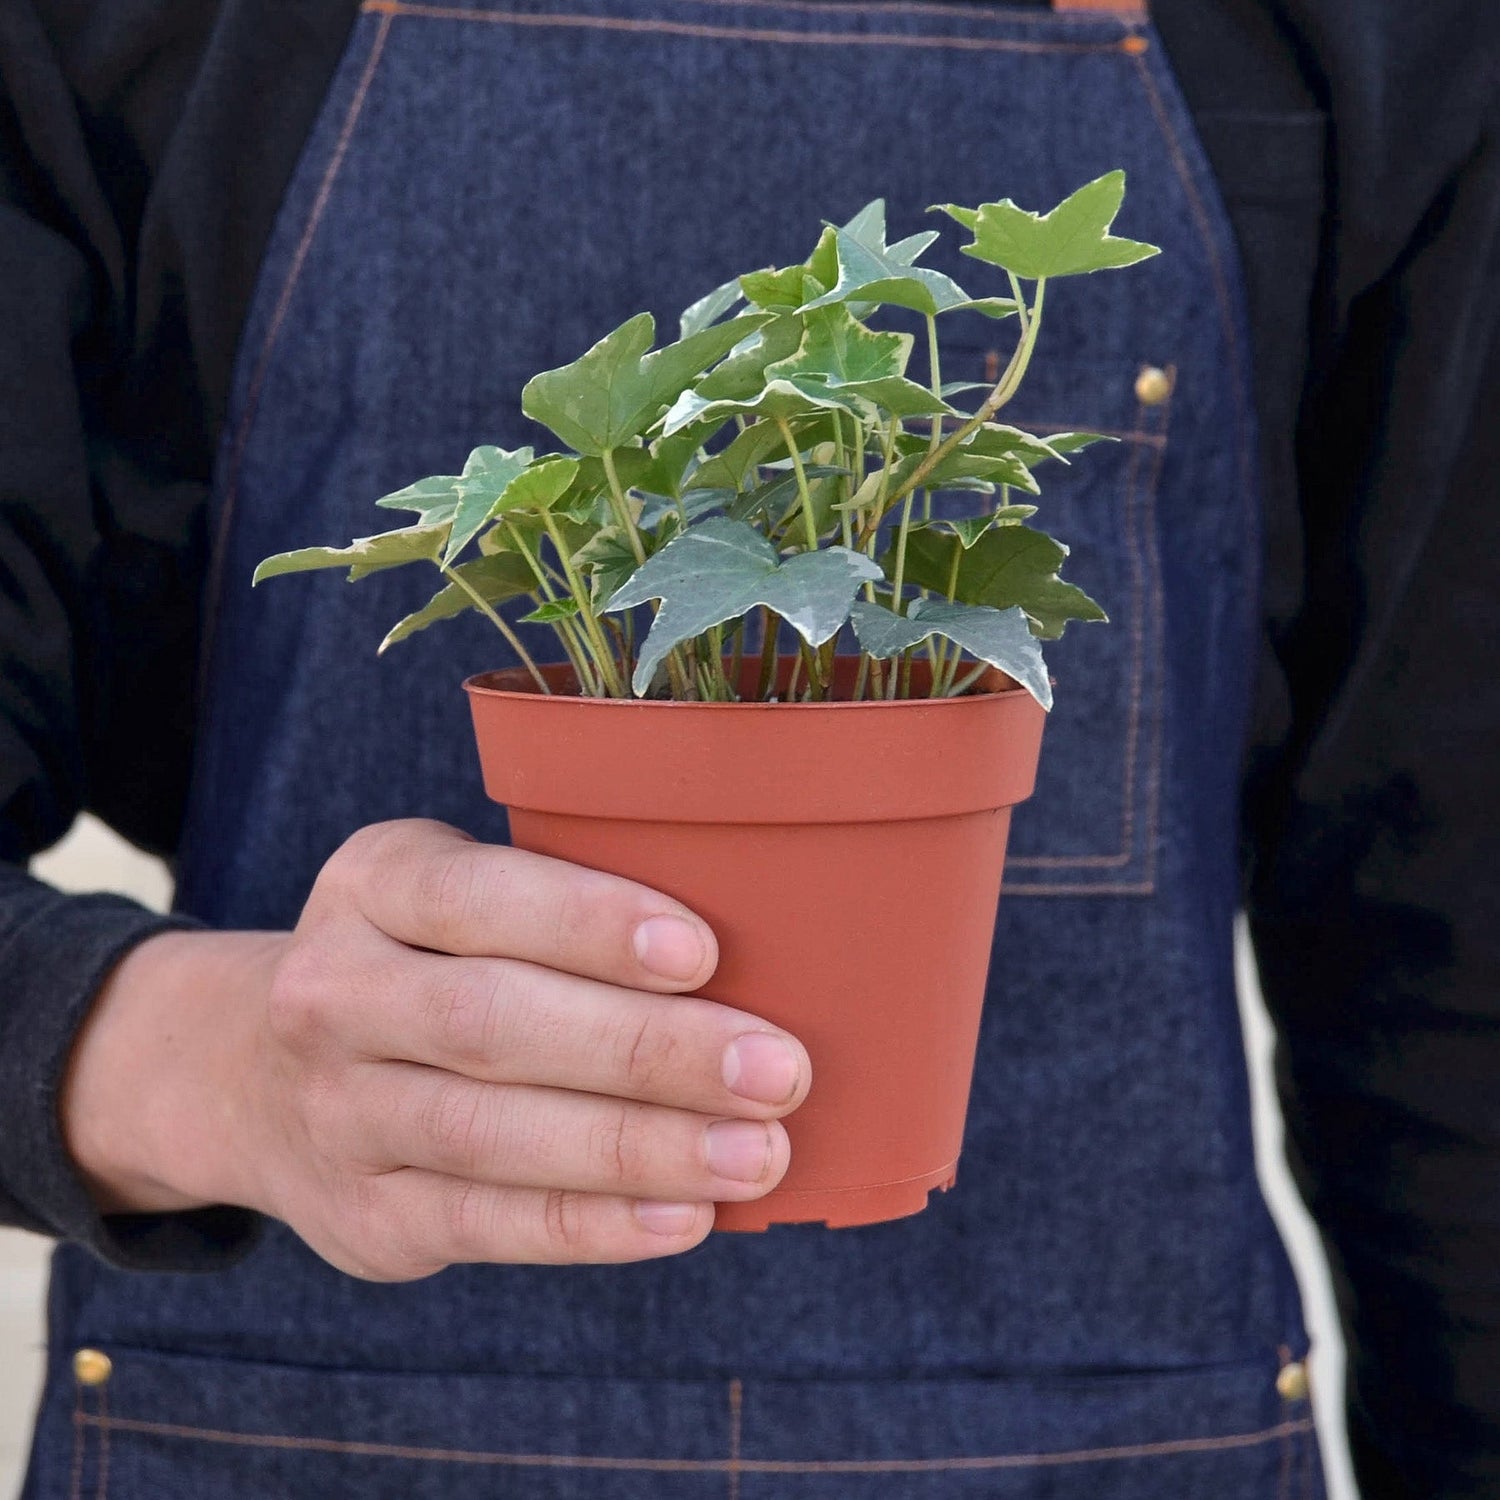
(839,819)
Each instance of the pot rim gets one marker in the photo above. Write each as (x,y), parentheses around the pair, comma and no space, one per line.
(993,684)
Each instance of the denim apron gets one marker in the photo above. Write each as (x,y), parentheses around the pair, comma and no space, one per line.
(1101,1308)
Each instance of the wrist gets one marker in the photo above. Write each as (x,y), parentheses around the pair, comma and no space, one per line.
(157,1103)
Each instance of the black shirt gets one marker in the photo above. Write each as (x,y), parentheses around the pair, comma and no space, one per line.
(144,147)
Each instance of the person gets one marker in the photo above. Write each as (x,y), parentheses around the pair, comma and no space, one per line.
(262,262)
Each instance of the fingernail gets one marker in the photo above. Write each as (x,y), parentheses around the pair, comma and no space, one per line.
(760,1066)
(667,1218)
(670,947)
(739,1149)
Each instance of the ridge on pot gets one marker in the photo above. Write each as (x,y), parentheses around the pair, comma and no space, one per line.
(888,1011)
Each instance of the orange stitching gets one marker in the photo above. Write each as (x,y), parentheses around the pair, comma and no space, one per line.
(1170,1448)
(101,1491)
(1118,888)
(546,21)
(1139,540)
(1143,545)
(1000,15)
(736,1415)
(1158,661)
(268,344)
(75,1489)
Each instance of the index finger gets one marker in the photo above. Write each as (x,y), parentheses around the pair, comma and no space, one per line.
(431,886)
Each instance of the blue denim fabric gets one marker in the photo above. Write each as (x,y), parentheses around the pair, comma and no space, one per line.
(1101,1306)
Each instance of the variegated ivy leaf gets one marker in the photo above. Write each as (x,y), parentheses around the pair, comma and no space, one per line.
(435,499)
(838,349)
(495,579)
(721,570)
(782,290)
(614,392)
(743,371)
(1000,637)
(1071,240)
(708,309)
(363,556)
(551,612)
(961,467)
(486,476)
(608,561)
(870,272)
(776,496)
(786,399)
(1007,565)
(695,504)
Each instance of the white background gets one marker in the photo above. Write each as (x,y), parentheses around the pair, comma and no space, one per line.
(92,859)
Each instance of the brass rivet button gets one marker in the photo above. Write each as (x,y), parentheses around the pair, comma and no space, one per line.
(92,1366)
(1152,386)
(1291,1382)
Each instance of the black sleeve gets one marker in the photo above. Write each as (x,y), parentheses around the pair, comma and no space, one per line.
(1372,810)
(144,146)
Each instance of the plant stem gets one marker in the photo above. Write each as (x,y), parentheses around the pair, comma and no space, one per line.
(588,680)
(605,656)
(808,521)
(503,626)
(1004,389)
(767,678)
(962,686)
(622,507)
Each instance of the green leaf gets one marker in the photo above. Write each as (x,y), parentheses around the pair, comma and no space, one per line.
(608,560)
(613,393)
(551,612)
(1006,566)
(872,274)
(672,458)
(737,462)
(1000,637)
(495,579)
(697,503)
(780,398)
(1071,442)
(720,570)
(708,309)
(363,556)
(435,499)
(1013,515)
(836,347)
(1072,239)
(486,476)
(780,290)
(968,530)
(743,371)
(777,496)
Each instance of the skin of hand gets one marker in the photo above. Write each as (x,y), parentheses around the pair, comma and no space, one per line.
(462,1053)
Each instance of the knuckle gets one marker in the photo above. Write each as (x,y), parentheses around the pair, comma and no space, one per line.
(617,1144)
(469,1220)
(296,1003)
(449,889)
(386,1246)
(564,1223)
(455,1122)
(650,1050)
(464,1013)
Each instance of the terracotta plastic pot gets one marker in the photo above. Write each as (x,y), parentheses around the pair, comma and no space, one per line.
(848,857)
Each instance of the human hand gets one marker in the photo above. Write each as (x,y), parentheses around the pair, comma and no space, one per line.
(462,1053)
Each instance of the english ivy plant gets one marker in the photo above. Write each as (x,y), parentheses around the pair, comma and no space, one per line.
(775,465)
